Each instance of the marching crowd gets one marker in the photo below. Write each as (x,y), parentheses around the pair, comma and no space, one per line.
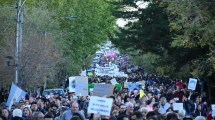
(153,100)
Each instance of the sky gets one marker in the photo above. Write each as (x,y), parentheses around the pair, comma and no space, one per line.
(121,22)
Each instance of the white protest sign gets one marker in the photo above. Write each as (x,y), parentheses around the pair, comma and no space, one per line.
(81,86)
(100,105)
(178,106)
(213,110)
(72,84)
(113,81)
(192,84)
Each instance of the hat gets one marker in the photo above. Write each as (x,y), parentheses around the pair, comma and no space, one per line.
(200,118)
(156,92)
(17,113)
(3,104)
(179,84)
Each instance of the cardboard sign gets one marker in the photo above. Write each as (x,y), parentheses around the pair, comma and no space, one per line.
(192,84)
(113,81)
(103,89)
(126,84)
(72,84)
(100,105)
(81,86)
(133,86)
(178,106)
(213,110)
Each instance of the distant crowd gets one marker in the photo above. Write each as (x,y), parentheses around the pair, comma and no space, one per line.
(153,100)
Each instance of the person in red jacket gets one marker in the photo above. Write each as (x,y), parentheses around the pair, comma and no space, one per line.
(209,115)
(178,93)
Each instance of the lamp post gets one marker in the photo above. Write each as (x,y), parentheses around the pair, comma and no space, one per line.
(19,22)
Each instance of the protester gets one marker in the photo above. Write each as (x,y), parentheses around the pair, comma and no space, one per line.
(163,105)
(38,116)
(26,112)
(153,97)
(17,114)
(5,112)
(67,115)
(2,117)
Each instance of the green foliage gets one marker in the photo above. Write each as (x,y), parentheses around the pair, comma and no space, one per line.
(181,33)
(147,61)
(53,42)
(92,26)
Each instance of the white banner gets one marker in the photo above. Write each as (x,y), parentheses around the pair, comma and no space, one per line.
(100,105)
(178,106)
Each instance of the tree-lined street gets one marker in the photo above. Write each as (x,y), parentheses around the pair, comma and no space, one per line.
(162,54)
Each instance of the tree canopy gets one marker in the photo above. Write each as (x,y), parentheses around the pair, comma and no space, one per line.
(58,38)
(179,33)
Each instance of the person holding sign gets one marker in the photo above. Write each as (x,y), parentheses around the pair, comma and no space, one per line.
(188,104)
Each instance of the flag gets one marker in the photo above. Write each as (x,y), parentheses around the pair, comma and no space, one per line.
(15,95)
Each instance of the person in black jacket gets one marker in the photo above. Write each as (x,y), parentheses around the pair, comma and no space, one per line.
(188,104)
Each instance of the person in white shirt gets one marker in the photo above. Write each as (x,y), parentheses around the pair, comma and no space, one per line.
(164,105)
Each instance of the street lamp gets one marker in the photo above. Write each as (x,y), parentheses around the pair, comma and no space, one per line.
(71,17)
(9,58)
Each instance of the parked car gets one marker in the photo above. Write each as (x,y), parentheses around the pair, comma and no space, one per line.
(59,91)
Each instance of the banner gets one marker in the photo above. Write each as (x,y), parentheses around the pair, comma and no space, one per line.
(81,85)
(72,84)
(213,110)
(132,86)
(103,89)
(16,94)
(100,105)
(118,86)
(192,84)
(178,106)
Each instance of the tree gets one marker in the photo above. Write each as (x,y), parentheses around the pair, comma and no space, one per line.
(158,29)
(54,46)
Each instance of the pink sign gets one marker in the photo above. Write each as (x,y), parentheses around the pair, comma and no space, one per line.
(111,54)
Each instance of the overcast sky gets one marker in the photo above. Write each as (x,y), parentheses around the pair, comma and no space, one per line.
(121,22)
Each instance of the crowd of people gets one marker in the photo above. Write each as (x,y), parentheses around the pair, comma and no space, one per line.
(156,103)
